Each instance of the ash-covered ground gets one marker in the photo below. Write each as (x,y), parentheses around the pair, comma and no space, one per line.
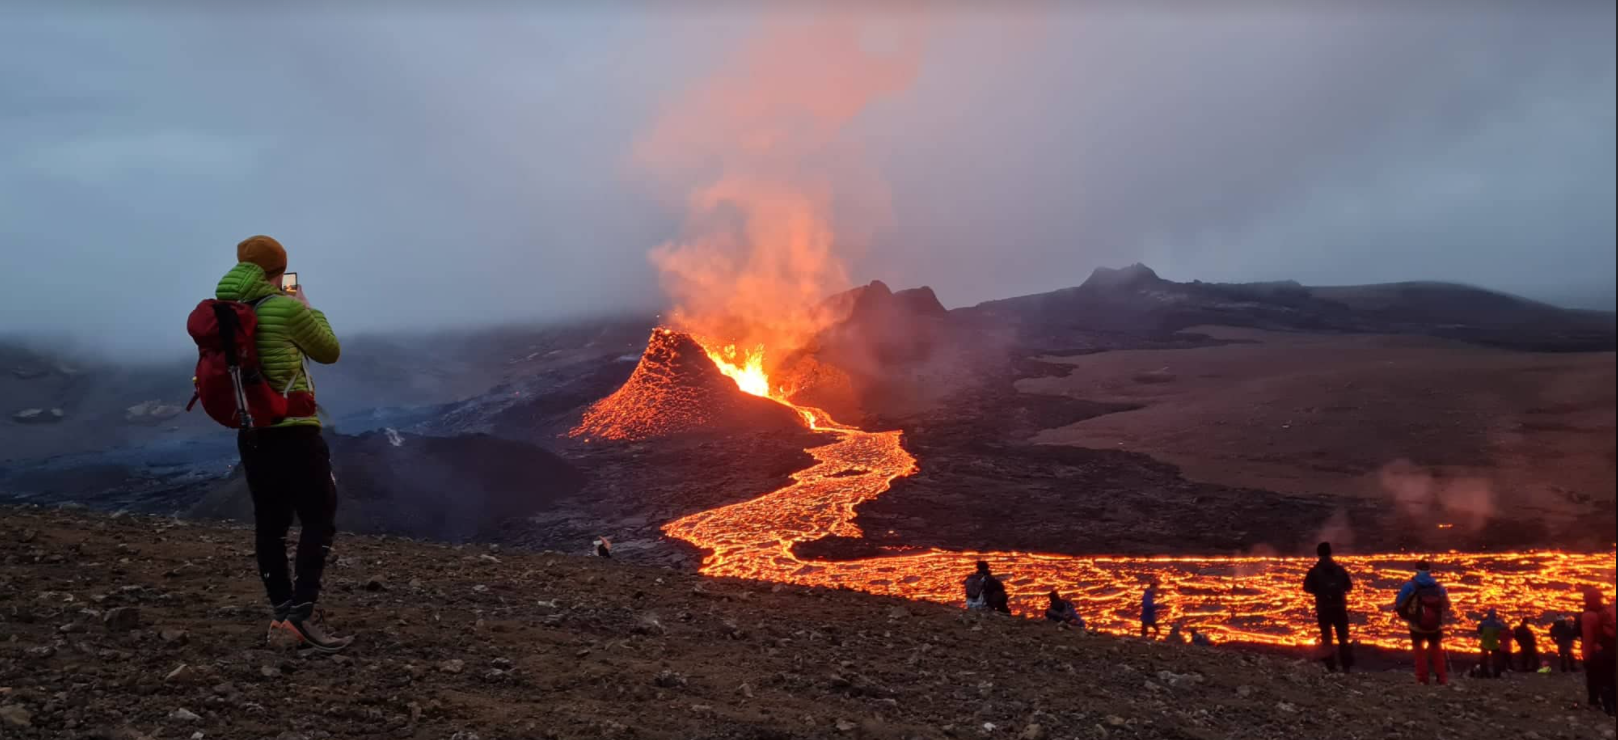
(138,628)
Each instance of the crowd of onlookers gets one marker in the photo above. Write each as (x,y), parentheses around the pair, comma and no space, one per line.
(1422,602)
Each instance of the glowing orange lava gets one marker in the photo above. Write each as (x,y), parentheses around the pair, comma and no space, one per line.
(1232,599)
(744,367)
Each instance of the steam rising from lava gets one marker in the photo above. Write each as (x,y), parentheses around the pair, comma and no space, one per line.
(776,201)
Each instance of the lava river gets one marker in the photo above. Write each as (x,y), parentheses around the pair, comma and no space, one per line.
(1232,599)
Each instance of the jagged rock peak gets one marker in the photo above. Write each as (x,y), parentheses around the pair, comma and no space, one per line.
(922,301)
(1133,276)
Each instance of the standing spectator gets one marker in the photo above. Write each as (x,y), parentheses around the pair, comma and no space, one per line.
(1493,633)
(1148,611)
(1330,583)
(1527,647)
(1424,604)
(1564,633)
(1600,654)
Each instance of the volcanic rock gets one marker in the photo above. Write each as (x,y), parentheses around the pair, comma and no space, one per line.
(184,715)
(122,618)
(677,389)
(1133,277)
(888,353)
(1034,732)
(14,716)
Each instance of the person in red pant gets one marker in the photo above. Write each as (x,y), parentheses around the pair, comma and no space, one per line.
(1423,603)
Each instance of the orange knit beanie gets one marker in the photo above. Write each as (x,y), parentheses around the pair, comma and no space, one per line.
(264,252)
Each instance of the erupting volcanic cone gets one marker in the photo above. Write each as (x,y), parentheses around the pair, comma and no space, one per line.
(677,389)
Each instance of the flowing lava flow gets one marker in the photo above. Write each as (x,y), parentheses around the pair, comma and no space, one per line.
(1232,599)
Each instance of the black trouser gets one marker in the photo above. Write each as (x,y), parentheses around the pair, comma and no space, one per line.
(1564,656)
(1528,658)
(289,473)
(1493,663)
(1600,680)
(1335,619)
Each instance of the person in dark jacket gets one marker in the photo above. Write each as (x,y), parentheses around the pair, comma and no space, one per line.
(1564,633)
(1330,583)
(1177,633)
(1527,647)
(1062,611)
(985,592)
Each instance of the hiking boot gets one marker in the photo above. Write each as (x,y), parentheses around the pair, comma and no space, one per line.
(307,625)
(278,635)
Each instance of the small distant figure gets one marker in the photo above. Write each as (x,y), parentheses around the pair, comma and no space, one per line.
(1493,634)
(603,547)
(1424,604)
(1598,630)
(1062,611)
(1177,632)
(985,592)
(1148,611)
(1200,638)
(1330,583)
(1564,633)
(1527,647)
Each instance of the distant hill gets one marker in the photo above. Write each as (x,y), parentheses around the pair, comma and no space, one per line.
(1136,300)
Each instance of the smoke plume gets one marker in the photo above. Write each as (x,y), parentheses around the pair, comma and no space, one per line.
(1422,494)
(776,200)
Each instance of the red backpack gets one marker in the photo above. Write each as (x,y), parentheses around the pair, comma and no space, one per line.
(229,382)
(1429,608)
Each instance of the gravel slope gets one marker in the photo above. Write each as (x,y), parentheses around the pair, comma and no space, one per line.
(131,627)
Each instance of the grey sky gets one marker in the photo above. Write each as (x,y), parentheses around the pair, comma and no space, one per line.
(440,169)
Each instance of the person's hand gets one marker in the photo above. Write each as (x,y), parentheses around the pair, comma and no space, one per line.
(297,292)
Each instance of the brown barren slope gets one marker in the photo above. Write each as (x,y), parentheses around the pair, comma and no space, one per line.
(473,643)
(1479,432)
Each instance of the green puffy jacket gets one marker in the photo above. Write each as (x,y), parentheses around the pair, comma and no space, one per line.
(288,331)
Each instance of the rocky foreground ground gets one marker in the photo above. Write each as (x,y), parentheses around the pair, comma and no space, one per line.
(131,627)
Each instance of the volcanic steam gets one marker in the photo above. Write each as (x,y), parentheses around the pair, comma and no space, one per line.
(776,200)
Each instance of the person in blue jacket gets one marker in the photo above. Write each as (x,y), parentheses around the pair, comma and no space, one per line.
(1424,604)
(1148,611)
